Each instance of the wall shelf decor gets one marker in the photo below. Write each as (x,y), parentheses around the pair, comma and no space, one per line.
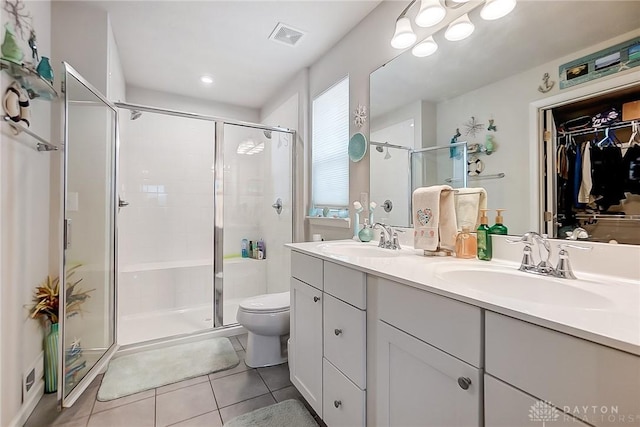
(41,144)
(30,80)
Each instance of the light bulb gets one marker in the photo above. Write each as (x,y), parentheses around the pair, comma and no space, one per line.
(431,13)
(404,35)
(459,29)
(426,47)
(206,80)
(496,9)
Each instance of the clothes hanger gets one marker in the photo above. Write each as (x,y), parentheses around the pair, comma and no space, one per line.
(609,140)
(635,135)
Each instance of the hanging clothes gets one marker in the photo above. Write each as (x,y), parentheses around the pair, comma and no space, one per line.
(577,178)
(631,169)
(608,176)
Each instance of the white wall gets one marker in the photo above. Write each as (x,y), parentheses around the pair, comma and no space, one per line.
(24,233)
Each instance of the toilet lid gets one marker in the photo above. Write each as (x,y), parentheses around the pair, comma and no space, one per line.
(267,302)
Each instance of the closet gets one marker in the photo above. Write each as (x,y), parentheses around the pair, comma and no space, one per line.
(592,167)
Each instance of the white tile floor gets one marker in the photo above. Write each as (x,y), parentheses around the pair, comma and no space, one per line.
(209,400)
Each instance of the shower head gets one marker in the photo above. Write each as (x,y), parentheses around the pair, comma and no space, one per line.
(267,133)
(379,148)
(387,156)
(135,114)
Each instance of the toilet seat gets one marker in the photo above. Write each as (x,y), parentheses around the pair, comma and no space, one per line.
(269,303)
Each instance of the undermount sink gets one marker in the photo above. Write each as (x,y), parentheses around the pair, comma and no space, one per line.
(536,289)
(356,249)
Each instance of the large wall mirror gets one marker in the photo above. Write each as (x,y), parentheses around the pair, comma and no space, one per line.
(483,88)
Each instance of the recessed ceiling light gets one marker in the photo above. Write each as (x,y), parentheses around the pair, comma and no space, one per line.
(206,80)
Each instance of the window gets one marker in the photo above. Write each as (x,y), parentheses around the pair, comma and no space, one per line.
(330,145)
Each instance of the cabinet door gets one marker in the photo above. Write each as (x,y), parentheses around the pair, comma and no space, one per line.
(419,385)
(305,348)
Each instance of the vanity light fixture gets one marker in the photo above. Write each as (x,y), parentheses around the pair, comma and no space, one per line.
(431,13)
(459,29)
(496,9)
(426,47)
(206,79)
(404,35)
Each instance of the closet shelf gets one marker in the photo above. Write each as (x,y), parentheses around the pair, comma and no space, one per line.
(618,125)
(476,177)
(41,145)
(30,80)
(608,217)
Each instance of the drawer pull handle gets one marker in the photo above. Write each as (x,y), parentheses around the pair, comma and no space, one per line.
(337,331)
(337,403)
(316,299)
(464,382)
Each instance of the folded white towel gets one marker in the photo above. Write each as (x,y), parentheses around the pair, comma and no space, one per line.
(469,201)
(434,218)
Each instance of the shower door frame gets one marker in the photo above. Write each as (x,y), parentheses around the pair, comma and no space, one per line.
(218,193)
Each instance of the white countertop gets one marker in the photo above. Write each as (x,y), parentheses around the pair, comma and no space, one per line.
(610,316)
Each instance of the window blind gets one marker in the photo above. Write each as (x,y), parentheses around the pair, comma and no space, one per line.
(330,145)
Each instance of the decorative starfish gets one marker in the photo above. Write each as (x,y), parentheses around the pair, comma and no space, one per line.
(472,127)
(21,19)
(624,66)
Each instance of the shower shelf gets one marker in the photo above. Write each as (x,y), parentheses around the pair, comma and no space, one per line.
(41,144)
(30,80)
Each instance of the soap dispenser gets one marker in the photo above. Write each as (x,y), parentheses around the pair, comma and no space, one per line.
(484,239)
(498,227)
(465,243)
(366,234)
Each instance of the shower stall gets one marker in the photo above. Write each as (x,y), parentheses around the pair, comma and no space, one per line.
(192,189)
(157,205)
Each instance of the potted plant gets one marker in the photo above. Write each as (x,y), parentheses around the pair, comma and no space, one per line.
(46,300)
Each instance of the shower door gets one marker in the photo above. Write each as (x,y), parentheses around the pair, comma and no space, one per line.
(253,202)
(87,331)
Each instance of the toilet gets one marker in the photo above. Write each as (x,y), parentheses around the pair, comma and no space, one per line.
(266,317)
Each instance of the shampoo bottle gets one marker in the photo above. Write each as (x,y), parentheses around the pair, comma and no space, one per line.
(245,248)
(465,243)
(498,227)
(484,240)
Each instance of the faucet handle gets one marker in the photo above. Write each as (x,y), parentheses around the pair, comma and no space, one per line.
(564,246)
(564,269)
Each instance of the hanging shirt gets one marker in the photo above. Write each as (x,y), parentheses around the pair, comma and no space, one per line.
(577,178)
(608,176)
(586,184)
(631,169)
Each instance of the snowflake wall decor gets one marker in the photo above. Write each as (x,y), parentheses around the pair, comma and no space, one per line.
(472,127)
(360,116)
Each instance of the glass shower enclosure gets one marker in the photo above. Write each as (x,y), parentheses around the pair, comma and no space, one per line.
(196,189)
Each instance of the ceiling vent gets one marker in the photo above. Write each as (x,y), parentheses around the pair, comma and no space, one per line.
(286,35)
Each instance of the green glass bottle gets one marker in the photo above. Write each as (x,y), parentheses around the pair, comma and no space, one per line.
(498,227)
(484,239)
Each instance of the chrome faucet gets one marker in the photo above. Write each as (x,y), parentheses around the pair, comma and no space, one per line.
(390,242)
(544,267)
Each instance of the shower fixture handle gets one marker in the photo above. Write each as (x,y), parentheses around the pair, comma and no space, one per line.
(278,206)
(122,203)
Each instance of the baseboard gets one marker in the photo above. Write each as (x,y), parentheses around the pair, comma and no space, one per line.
(29,405)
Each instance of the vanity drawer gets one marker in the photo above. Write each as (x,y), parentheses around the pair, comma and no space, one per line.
(570,373)
(343,401)
(345,342)
(451,326)
(307,269)
(345,283)
(505,406)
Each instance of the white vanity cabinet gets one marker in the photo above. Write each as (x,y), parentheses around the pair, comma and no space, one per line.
(327,349)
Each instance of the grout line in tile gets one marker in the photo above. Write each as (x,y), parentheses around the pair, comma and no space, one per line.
(254,397)
(195,416)
(215,399)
